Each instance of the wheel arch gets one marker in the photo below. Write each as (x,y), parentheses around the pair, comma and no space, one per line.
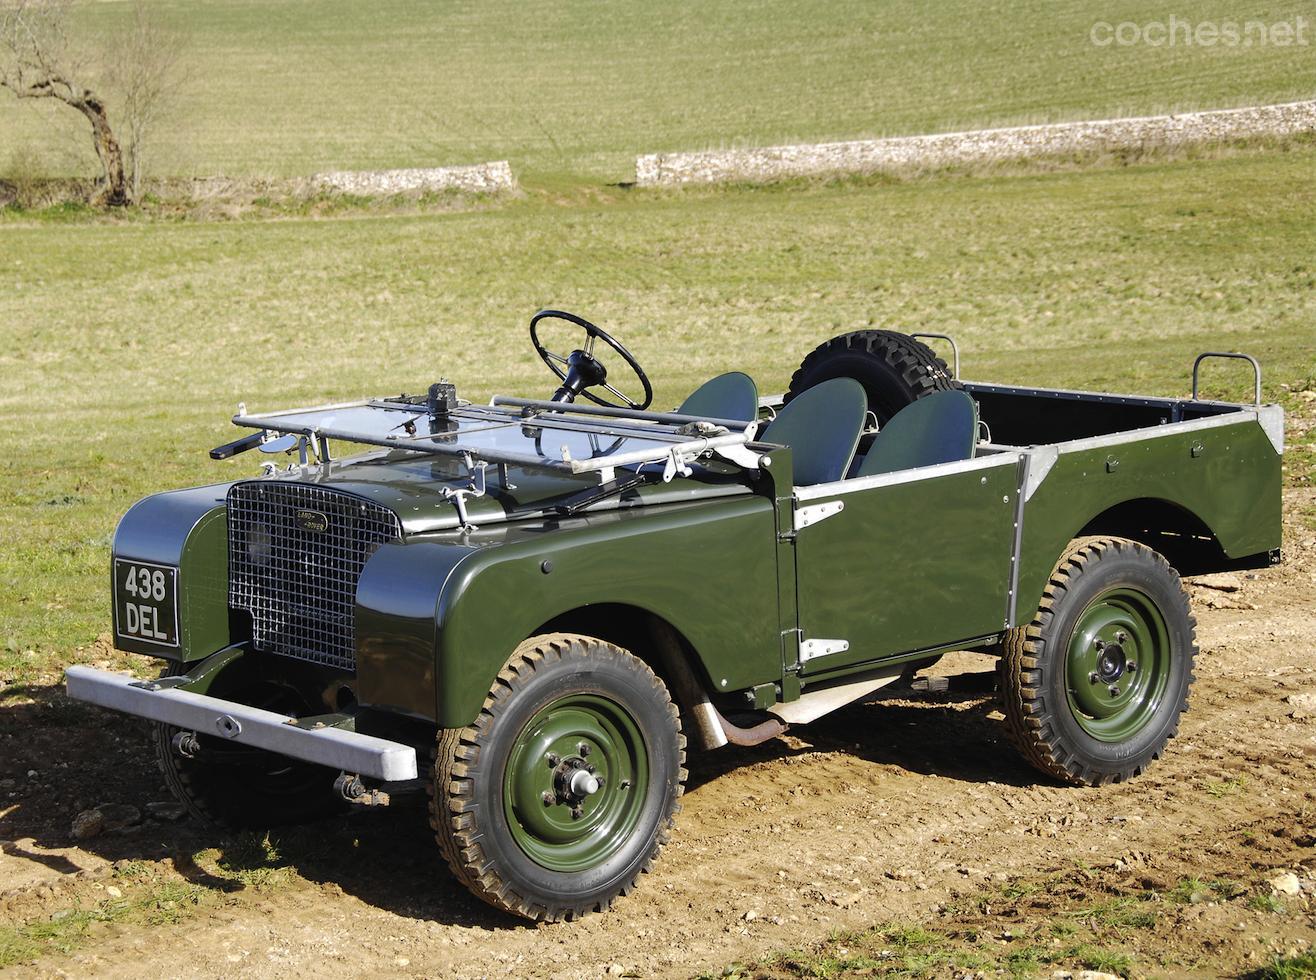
(652,638)
(1186,540)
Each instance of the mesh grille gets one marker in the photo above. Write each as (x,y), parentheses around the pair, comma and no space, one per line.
(295,555)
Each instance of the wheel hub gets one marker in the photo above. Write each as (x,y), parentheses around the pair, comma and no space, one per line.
(568,785)
(1118,664)
(1110,665)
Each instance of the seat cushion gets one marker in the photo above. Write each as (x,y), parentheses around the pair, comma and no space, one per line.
(731,396)
(821,425)
(938,428)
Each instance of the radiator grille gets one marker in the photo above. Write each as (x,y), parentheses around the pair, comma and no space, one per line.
(295,555)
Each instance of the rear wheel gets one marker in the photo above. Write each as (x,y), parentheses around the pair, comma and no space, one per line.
(565,789)
(894,368)
(1094,686)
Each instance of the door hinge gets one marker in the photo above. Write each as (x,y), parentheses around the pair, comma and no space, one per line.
(805,516)
(821,648)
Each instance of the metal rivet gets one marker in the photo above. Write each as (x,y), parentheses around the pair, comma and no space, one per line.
(545,566)
(765,462)
(1005,499)
(724,682)
(983,481)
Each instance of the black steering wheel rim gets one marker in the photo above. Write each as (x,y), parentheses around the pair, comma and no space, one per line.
(553,359)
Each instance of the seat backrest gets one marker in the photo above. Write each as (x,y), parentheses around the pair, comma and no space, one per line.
(822,426)
(728,396)
(938,428)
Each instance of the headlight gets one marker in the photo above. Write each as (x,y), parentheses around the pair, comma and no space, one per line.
(260,544)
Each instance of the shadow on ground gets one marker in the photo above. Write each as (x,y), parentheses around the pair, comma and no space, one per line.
(58,757)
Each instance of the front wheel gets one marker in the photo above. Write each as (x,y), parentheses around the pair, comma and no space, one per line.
(565,788)
(1094,686)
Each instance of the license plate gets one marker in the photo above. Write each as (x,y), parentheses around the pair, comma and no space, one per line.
(146,601)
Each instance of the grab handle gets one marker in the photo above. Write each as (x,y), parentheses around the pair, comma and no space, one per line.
(1234,355)
(954,349)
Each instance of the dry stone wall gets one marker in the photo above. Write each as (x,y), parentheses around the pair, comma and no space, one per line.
(483,177)
(941,149)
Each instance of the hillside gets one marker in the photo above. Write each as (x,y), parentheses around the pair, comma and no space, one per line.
(574,91)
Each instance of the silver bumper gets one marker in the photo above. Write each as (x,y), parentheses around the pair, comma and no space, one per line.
(364,755)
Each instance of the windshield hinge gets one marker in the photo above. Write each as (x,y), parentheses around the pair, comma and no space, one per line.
(459,495)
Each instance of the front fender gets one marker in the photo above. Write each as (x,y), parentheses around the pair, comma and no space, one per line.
(437,618)
(708,569)
(186,530)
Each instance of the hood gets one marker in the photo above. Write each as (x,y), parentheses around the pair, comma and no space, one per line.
(412,485)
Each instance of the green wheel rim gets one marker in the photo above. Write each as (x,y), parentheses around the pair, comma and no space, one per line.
(1118,665)
(555,827)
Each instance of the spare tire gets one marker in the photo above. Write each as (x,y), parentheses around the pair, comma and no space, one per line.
(894,368)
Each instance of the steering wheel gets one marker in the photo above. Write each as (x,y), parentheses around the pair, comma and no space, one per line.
(581,370)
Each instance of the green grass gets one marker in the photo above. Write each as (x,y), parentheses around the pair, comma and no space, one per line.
(1288,967)
(1219,789)
(896,950)
(146,895)
(576,90)
(127,346)
(149,901)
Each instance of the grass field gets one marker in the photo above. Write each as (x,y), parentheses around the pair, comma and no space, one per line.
(573,91)
(128,346)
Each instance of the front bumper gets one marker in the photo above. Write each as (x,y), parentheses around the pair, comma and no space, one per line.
(362,755)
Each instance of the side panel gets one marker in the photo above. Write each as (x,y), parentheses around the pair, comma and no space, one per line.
(907,566)
(183,529)
(708,568)
(1229,476)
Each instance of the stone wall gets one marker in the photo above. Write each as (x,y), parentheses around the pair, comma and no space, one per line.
(482,177)
(1016,142)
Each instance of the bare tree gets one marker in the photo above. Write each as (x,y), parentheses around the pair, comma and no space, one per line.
(39,61)
(144,69)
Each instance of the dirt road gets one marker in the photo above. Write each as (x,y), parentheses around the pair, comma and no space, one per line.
(882,812)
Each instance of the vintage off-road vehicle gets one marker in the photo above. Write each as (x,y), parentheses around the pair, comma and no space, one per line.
(529,606)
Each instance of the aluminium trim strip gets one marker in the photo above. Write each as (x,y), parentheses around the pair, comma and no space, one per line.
(1158,431)
(905,476)
(1119,398)
(1016,544)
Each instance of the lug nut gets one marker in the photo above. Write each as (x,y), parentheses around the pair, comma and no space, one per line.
(1114,689)
(553,759)
(549,799)
(625,784)
(1131,666)
(1121,636)
(589,769)
(584,748)
(1100,644)
(1094,677)
(577,813)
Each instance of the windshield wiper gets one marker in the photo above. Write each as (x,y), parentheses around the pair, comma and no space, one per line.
(587,498)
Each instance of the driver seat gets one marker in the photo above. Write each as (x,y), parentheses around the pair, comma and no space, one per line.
(732,396)
(821,425)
